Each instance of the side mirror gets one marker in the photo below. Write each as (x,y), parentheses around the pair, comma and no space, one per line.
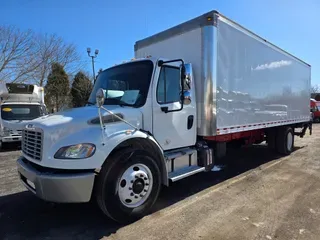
(186,97)
(188,75)
(183,73)
(100,97)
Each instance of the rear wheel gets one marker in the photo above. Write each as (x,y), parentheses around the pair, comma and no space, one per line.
(128,186)
(285,140)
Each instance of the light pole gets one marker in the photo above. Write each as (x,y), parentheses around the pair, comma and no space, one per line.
(96,52)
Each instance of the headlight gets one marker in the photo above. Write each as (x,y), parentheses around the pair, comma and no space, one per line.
(78,151)
(6,131)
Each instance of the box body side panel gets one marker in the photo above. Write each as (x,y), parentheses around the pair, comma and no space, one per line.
(186,46)
(257,83)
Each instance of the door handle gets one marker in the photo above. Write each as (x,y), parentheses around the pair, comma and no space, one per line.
(190,122)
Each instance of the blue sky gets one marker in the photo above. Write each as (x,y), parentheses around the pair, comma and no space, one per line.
(114,26)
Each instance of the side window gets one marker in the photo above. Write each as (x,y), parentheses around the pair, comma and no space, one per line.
(168,89)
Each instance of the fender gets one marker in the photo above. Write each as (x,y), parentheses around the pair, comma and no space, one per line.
(120,137)
(143,141)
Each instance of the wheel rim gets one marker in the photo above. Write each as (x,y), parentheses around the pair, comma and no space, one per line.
(289,141)
(135,185)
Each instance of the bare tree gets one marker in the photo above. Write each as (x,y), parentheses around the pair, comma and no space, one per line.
(315,89)
(16,48)
(27,57)
(52,49)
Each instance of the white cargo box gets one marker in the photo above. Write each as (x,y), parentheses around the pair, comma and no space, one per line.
(12,92)
(242,81)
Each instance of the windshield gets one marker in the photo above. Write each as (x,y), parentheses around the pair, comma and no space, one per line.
(126,84)
(20,112)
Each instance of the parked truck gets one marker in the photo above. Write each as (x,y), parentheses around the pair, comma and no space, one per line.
(167,114)
(315,110)
(19,103)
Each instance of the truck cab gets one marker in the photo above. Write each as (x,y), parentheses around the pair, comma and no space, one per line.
(145,114)
(315,110)
(19,103)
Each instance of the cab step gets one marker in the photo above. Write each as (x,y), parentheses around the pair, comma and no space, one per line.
(185,172)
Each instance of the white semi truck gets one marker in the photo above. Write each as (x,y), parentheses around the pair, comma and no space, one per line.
(19,103)
(155,120)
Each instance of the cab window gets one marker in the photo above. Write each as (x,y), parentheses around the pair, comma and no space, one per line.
(168,89)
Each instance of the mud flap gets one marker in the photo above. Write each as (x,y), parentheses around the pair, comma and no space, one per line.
(304,129)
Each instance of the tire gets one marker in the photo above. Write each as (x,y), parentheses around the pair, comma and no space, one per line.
(271,138)
(135,172)
(285,140)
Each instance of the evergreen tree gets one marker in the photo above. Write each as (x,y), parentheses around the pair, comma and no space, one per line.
(80,90)
(57,88)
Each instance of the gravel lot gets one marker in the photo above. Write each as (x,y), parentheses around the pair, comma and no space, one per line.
(257,196)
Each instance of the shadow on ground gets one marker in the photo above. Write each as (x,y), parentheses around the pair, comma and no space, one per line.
(10,147)
(23,216)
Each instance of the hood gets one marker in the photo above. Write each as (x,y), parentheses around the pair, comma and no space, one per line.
(67,122)
(80,115)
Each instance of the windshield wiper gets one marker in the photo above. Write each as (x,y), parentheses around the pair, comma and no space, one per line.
(90,103)
(122,104)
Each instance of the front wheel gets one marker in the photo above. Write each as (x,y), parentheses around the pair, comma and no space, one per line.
(128,186)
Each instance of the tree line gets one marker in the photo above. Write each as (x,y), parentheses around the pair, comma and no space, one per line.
(45,60)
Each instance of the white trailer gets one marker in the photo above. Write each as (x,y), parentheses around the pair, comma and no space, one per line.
(19,103)
(156,120)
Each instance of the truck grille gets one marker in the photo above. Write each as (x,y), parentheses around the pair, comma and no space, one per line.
(32,144)
(15,133)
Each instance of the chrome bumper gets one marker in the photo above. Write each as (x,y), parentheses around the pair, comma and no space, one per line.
(56,187)
(11,139)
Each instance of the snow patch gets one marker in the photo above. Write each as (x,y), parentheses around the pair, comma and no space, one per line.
(301,231)
(312,211)
(217,168)
(258,224)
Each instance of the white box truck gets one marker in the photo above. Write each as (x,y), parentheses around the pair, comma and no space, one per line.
(155,120)
(19,103)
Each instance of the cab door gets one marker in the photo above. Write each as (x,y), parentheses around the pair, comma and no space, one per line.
(174,123)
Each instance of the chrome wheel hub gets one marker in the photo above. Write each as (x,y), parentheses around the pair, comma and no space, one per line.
(135,185)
